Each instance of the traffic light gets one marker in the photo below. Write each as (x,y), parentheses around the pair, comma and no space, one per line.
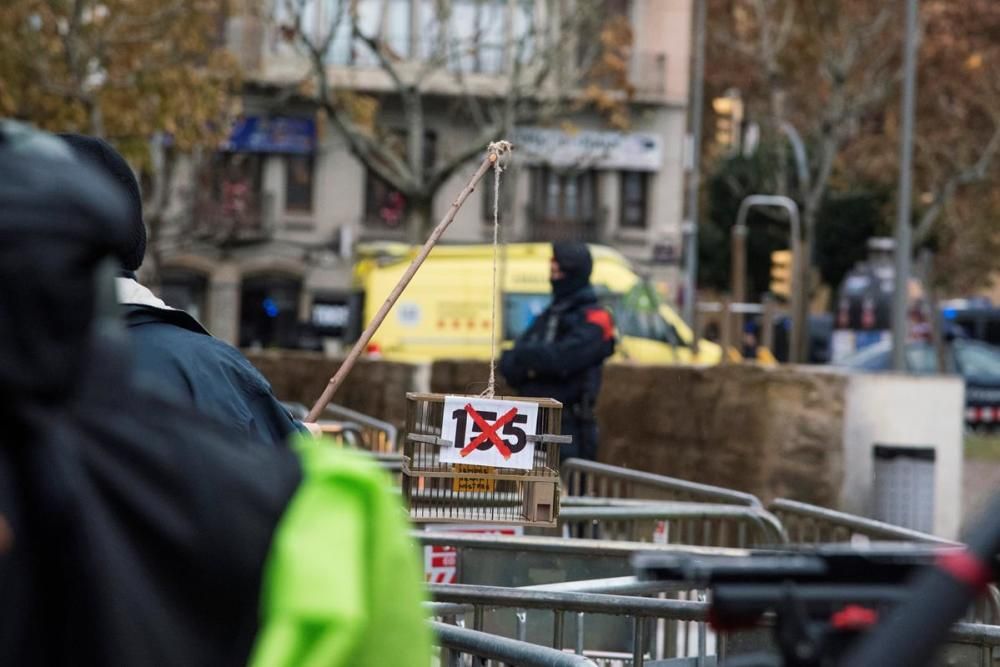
(728,121)
(781,273)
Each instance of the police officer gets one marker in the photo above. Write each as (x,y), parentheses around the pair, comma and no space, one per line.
(561,354)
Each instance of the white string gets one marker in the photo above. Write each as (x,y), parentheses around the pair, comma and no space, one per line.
(500,149)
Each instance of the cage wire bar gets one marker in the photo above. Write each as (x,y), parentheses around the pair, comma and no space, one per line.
(439,492)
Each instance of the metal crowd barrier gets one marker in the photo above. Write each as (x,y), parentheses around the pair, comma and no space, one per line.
(392,464)
(376,435)
(684,636)
(490,649)
(811,524)
(589,478)
(506,560)
(664,632)
(358,429)
(695,524)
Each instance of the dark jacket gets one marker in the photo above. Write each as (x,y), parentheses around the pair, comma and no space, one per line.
(561,354)
(177,356)
(131,532)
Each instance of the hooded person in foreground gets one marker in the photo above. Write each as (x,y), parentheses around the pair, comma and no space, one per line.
(133,529)
(170,348)
(562,352)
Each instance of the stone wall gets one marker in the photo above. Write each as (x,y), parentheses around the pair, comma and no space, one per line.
(769,431)
(376,388)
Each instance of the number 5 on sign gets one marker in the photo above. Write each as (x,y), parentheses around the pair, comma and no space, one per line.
(488,432)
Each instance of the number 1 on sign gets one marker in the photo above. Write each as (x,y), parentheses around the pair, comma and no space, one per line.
(489,432)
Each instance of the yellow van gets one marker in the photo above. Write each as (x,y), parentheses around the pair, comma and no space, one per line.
(446,311)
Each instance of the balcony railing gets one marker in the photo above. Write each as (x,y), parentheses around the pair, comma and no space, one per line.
(588,229)
(236,219)
(648,73)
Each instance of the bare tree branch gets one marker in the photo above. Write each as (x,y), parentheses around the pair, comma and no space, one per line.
(376,156)
(975,173)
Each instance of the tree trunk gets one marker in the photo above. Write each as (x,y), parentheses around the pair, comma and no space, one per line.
(420,219)
(161,165)
(778,138)
(810,213)
(95,118)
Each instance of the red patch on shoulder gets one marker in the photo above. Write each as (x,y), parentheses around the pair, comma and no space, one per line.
(602,318)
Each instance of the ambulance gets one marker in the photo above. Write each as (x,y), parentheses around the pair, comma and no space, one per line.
(446,312)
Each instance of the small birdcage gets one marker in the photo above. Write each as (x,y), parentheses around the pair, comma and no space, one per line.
(437,490)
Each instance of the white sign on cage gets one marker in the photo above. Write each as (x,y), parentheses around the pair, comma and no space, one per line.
(489,432)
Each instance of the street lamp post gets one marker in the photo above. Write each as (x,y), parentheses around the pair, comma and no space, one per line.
(694,178)
(903,230)
(797,343)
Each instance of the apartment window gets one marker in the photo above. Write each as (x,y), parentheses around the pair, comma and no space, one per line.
(525,28)
(234,176)
(299,183)
(477,35)
(385,206)
(633,199)
(566,197)
(385,20)
(563,203)
(589,50)
(230,190)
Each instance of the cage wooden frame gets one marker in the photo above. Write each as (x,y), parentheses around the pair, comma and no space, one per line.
(437,492)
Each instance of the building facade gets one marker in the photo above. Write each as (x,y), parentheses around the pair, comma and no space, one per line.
(294,202)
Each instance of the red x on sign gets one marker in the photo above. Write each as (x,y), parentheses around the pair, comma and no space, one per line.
(488,432)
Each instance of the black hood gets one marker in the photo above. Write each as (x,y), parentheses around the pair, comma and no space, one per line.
(104,160)
(57,222)
(575,263)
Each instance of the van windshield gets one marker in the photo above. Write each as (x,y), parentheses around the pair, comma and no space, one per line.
(637,314)
(520,310)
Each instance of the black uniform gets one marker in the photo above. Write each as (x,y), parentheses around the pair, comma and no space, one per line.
(561,354)
(132,532)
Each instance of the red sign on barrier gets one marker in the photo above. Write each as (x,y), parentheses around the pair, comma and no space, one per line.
(441,562)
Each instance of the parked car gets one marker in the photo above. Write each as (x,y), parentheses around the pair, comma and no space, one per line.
(977,362)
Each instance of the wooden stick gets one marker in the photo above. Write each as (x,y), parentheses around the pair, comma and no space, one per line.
(397,291)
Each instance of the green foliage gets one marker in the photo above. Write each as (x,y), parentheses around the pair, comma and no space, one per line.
(122,69)
(735,179)
(845,222)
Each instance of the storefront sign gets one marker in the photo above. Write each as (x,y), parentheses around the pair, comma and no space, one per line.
(254,134)
(631,151)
